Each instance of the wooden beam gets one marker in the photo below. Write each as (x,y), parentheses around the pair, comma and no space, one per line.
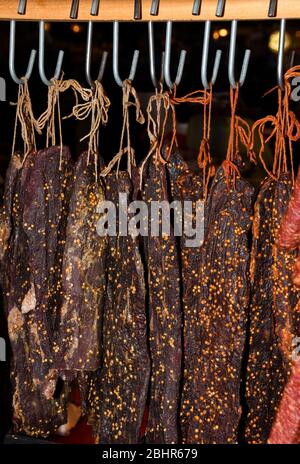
(122,10)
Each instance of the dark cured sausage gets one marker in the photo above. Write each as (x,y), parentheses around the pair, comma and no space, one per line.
(83,282)
(34,414)
(165,316)
(79,338)
(273,320)
(124,376)
(185,185)
(45,219)
(211,404)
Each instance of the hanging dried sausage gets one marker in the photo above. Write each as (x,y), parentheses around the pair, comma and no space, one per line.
(273,321)
(211,405)
(83,282)
(124,377)
(34,413)
(165,314)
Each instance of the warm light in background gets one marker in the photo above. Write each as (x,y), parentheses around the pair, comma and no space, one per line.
(47,27)
(75,28)
(274,41)
(220,33)
(223,32)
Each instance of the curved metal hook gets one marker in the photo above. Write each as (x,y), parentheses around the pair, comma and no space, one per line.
(280,59)
(42,57)
(232,49)
(167,60)
(116,57)
(155,81)
(204,79)
(88,59)
(12,46)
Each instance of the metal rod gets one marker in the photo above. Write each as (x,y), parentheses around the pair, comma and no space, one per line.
(220,8)
(137,9)
(152,54)
(292,58)
(22,7)
(74,9)
(280,61)
(154,80)
(154,7)
(272,9)
(95,8)
(196,8)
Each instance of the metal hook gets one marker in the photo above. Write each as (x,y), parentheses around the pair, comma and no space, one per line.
(154,7)
(196,8)
(272,9)
(74,9)
(42,56)
(167,60)
(135,59)
(95,8)
(88,59)
(22,7)
(280,60)
(155,82)
(232,49)
(220,8)
(12,46)
(205,52)
(137,9)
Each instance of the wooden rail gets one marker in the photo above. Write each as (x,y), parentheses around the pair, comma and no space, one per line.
(123,10)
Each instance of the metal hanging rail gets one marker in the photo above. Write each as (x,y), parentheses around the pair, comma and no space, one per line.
(169,10)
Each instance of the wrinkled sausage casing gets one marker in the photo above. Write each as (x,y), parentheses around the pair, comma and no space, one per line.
(83,274)
(124,376)
(274,322)
(32,285)
(165,315)
(186,186)
(79,338)
(216,319)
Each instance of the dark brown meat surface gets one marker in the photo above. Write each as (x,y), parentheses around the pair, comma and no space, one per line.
(83,284)
(274,322)
(216,308)
(165,313)
(286,428)
(124,377)
(186,186)
(30,288)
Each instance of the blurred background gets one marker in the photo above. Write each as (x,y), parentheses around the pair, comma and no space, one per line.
(260,37)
